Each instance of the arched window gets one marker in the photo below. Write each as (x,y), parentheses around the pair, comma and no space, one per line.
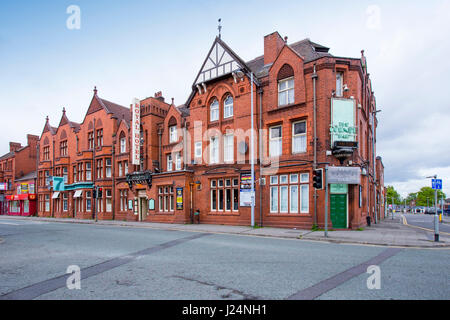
(173,134)
(285,85)
(214,111)
(228,107)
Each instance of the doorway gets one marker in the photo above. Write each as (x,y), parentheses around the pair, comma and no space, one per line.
(338,211)
(143,209)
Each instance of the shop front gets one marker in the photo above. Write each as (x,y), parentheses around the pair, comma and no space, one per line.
(22,205)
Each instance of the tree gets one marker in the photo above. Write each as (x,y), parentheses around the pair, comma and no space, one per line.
(428,193)
(391,193)
(411,197)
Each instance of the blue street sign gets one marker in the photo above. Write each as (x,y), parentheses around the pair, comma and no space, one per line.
(436,184)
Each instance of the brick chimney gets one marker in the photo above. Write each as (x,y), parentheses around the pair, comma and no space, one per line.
(159,96)
(14,146)
(32,142)
(273,43)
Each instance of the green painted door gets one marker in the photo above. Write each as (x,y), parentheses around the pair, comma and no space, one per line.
(338,210)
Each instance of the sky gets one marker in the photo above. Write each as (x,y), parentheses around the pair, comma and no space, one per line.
(136,48)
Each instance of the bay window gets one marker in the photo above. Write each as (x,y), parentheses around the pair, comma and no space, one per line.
(289,193)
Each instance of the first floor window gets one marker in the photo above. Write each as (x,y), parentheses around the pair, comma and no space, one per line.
(228,148)
(198,150)
(123,200)
(169,163)
(108,167)
(275,141)
(214,150)
(299,137)
(47,203)
(178,161)
(65,202)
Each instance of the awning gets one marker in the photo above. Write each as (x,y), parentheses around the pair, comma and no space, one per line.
(55,195)
(78,194)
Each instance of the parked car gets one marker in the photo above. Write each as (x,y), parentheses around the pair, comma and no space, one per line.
(432,211)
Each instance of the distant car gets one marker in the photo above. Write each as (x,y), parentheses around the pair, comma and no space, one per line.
(432,211)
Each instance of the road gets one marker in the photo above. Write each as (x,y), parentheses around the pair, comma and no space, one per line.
(140,263)
(426,221)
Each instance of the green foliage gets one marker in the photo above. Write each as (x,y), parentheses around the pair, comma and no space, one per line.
(428,193)
(391,193)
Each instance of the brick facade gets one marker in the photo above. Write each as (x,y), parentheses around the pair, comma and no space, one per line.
(196,157)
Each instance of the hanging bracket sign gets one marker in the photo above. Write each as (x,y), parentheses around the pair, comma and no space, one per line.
(344,175)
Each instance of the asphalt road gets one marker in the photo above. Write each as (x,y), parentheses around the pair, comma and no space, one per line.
(140,263)
(426,221)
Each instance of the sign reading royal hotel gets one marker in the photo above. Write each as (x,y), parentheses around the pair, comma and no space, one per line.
(136,150)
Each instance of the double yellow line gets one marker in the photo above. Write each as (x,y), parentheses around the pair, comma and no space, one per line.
(405,222)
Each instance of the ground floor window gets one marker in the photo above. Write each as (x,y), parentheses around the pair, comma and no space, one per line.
(65,202)
(88,201)
(123,200)
(224,195)
(47,203)
(166,199)
(14,206)
(108,200)
(289,193)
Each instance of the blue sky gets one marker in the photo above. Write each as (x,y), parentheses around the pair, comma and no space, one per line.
(135,48)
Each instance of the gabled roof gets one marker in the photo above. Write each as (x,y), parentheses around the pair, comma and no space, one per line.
(29,176)
(119,112)
(185,112)
(49,128)
(6,156)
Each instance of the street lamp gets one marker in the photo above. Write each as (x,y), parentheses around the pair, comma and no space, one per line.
(374,114)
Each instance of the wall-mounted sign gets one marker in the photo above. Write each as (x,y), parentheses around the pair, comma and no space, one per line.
(179,198)
(151,204)
(246,197)
(3,186)
(344,175)
(342,126)
(139,178)
(136,133)
(58,184)
(31,188)
(246,180)
(24,188)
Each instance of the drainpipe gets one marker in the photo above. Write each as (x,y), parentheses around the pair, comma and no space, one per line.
(160,150)
(113,172)
(53,174)
(314,77)
(37,177)
(93,174)
(260,157)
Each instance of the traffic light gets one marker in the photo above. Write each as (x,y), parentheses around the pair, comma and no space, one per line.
(94,193)
(100,193)
(318,179)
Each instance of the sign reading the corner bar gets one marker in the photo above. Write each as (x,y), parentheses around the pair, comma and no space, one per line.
(344,175)
(136,132)
(342,120)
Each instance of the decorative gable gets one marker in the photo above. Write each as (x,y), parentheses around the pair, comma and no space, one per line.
(220,61)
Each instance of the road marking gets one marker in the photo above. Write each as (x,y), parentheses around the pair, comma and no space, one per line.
(405,222)
(40,288)
(10,224)
(324,286)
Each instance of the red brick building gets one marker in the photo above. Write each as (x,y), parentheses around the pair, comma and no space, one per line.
(310,109)
(19,163)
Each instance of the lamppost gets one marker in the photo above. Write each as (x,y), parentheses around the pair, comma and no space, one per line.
(374,114)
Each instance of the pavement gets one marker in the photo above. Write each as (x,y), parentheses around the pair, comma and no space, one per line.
(388,232)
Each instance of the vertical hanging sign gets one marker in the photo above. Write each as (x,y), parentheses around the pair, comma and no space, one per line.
(136,132)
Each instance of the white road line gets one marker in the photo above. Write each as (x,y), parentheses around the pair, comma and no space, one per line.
(10,224)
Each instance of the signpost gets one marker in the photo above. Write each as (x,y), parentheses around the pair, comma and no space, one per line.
(436,184)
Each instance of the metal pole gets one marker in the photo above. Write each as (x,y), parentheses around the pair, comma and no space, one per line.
(314,77)
(326,202)
(252,156)
(436,218)
(392,208)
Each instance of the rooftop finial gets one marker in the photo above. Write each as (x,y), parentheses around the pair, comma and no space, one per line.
(220,28)
(173,101)
(64,110)
(95,90)
(46,118)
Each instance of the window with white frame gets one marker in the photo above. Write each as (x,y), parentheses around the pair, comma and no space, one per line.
(299,137)
(178,161)
(214,150)
(228,148)
(173,134)
(123,200)
(339,84)
(100,169)
(166,199)
(275,141)
(169,163)
(66,174)
(126,167)
(108,200)
(120,169)
(123,145)
(214,111)
(228,107)
(88,171)
(225,195)
(88,201)
(286,91)
(289,193)
(198,150)
(47,203)
(108,167)
(65,202)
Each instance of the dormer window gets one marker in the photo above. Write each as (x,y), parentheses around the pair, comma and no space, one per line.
(228,107)
(214,111)
(286,92)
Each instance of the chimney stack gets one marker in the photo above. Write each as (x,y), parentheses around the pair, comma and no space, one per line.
(273,43)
